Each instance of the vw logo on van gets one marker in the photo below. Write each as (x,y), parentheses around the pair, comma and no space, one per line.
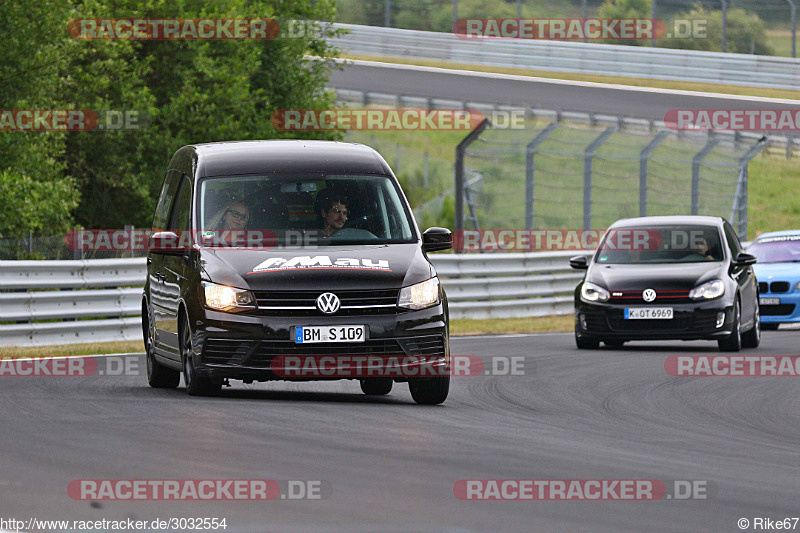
(648,295)
(328,303)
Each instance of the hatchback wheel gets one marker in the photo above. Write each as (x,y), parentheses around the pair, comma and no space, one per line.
(733,342)
(586,343)
(752,337)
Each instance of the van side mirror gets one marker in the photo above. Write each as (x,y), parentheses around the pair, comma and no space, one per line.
(437,239)
(579,262)
(167,243)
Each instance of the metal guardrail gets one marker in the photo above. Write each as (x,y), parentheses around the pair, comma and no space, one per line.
(33,314)
(583,58)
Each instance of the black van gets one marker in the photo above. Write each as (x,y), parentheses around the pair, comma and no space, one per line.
(264,252)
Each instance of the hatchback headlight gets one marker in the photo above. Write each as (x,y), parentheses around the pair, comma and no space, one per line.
(594,293)
(420,296)
(224,298)
(708,291)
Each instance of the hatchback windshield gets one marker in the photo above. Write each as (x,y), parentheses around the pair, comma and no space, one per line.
(660,244)
(299,210)
(779,249)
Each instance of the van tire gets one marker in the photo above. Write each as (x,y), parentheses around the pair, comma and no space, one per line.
(195,385)
(158,375)
(429,391)
(376,386)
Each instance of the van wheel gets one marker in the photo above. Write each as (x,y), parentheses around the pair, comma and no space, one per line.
(429,391)
(733,342)
(158,375)
(752,337)
(376,386)
(195,385)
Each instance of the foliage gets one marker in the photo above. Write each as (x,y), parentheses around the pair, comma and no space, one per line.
(186,91)
(746,33)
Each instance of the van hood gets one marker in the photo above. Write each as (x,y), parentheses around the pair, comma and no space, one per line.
(330,267)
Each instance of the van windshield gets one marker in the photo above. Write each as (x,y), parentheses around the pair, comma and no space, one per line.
(301,210)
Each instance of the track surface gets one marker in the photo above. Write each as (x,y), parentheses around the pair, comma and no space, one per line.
(392,464)
(533,92)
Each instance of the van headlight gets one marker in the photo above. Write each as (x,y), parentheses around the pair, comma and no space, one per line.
(594,293)
(420,296)
(224,298)
(708,291)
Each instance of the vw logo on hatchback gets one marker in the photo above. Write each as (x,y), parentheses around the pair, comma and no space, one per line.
(648,295)
(328,303)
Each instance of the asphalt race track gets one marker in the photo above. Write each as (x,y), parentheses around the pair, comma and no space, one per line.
(391,465)
(534,92)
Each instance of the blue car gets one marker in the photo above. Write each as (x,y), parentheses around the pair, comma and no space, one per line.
(778,274)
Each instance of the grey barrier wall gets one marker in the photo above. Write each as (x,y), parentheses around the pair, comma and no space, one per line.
(99,300)
(583,58)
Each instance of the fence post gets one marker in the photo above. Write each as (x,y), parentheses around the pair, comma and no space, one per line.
(724,25)
(129,230)
(643,157)
(425,176)
(76,253)
(652,17)
(793,7)
(459,173)
(397,159)
(588,156)
(696,161)
(739,209)
(530,150)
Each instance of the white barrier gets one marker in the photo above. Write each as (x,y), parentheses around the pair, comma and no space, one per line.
(583,58)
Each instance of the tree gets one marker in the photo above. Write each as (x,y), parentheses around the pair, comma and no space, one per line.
(746,33)
(193,91)
(35,189)
(625,9)
(184,92)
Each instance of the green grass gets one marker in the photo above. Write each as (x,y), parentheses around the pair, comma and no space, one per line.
(773,203)
(781,42)
(549,324)
(73,349)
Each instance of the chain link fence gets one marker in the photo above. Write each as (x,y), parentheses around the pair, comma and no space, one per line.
(563,175)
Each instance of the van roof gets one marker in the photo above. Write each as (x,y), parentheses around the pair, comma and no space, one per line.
(254,157)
